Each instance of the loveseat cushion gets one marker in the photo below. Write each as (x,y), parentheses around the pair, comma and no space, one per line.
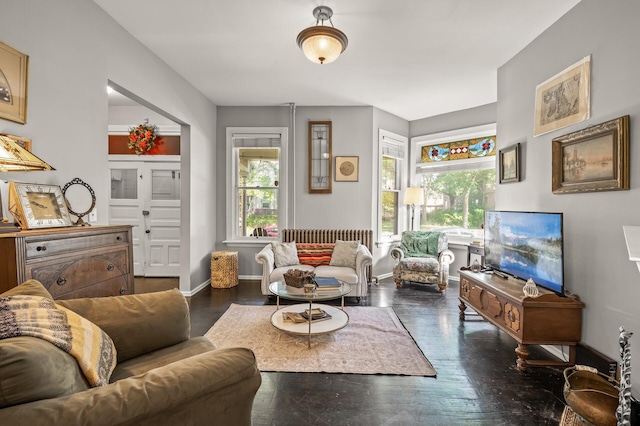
(28,288)
(285,254)
(315,254)
(32,369)
(137,323)
(344,254)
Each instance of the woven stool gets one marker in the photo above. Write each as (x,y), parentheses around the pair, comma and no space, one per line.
(224,269)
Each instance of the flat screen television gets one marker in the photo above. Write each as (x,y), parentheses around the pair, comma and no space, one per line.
(526,245)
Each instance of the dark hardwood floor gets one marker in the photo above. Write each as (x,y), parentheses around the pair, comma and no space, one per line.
(477,382)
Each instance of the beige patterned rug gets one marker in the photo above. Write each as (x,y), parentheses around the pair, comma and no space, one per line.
(374,342)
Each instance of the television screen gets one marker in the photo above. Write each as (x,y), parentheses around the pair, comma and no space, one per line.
(526,245)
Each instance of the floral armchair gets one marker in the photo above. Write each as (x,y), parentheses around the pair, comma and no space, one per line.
(422,257)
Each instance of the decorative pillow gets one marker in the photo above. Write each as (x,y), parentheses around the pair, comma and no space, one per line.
(285,254)
(315,254)
(344,254)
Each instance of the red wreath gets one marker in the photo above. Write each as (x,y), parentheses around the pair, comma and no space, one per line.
(142,138)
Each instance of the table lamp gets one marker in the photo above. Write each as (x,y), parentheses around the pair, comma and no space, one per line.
(14,158)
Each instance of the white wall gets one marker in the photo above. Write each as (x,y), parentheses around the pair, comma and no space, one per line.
(74,48)
(596,260)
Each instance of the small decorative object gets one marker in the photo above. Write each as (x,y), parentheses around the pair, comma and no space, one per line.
(38,206)
(475,266)
(13,84)
(593,159)
(309,288)
(297,278)
(530,289)
(346,169)
(510,164)
(563,99)
(142,137)
(78,181)
(623,412)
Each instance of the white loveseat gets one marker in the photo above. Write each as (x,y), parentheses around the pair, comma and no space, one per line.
(315,252)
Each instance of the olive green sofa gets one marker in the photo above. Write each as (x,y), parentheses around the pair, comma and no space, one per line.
(162,376)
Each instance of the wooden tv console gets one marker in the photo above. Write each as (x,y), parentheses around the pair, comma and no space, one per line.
(548,319)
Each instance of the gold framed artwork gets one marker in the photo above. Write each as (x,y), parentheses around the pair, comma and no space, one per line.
(509,162)
(35,206)
(592,159)
(563,99)
(346,169)
(13,84)
(24,143)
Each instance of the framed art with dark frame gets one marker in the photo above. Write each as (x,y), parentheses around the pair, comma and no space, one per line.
(35,206)
(592,159)
(13,84)
(563,99)
(509,159)
(346,169)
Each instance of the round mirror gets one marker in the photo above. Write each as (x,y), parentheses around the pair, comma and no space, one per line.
(80,199)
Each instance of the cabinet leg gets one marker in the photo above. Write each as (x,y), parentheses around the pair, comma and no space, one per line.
(463,308)
(523,353)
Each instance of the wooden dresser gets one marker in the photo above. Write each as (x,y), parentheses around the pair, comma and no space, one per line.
(548,319)
(70,262)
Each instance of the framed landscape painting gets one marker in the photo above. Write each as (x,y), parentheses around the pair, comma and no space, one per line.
(13,84)
(510,164)
(563,99)
(592,159)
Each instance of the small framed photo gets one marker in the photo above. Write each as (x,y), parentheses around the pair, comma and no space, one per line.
(13,84)
(563,99)
(510,164)
(35,206)
(347,169)
(592,159)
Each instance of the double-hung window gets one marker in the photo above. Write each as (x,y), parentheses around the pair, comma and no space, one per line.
(392,160)
(256,176)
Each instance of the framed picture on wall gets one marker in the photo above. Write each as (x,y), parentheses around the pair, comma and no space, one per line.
(346,169)
(592,159)
(510,164)
(563,99)
(13,84)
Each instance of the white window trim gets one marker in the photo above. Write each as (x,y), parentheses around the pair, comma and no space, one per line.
(388,138)
(450,136)
(231,238)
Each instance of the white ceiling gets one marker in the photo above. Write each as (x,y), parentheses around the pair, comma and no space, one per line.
(411,58)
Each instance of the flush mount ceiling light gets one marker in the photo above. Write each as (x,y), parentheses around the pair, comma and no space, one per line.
(322,44)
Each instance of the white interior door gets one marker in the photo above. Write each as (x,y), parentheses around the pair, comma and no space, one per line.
(146,195)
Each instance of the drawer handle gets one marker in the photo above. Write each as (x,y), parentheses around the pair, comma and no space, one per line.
(118,238)
(61,280)
(123,290)
(41,248)
(110,267)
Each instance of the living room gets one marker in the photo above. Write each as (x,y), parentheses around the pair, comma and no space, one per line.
(75,48)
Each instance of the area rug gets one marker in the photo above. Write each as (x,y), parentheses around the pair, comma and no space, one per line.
(374,342)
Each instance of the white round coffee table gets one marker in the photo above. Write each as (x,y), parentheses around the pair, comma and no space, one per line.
(339,318)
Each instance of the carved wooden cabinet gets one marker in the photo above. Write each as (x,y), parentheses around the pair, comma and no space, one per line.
(549,319)
(70,262)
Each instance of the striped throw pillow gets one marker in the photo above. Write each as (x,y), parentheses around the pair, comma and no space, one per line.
(314,254)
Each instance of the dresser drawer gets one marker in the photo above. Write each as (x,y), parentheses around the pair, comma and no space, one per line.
(38,248)
(67,274)
(112,287)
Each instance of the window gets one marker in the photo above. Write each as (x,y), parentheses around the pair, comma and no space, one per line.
(457,171)
(392,152)
(256,179)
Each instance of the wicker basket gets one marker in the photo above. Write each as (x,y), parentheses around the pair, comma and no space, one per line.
(224,269)
(298,278)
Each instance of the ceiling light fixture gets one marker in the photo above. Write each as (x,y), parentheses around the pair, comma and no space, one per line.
(322,44)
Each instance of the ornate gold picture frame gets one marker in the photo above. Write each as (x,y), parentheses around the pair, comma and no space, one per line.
(13,84)
(592,159)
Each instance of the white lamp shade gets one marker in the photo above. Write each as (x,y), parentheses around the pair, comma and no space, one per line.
(414,196)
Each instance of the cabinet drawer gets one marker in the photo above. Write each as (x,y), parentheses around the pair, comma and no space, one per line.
(52,247)
(111,287)
(66,274)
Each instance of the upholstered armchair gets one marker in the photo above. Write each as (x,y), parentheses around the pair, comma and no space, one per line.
(422,257)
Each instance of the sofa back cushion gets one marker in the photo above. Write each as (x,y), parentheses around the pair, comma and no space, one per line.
(315,254)
(153,320)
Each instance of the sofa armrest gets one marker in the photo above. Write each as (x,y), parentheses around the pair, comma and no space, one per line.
(218,386)
(397,254)
(446,258)
(137,323)
(364,260)
(266,258)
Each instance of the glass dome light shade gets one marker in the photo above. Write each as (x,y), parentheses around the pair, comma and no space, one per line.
(321,44)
